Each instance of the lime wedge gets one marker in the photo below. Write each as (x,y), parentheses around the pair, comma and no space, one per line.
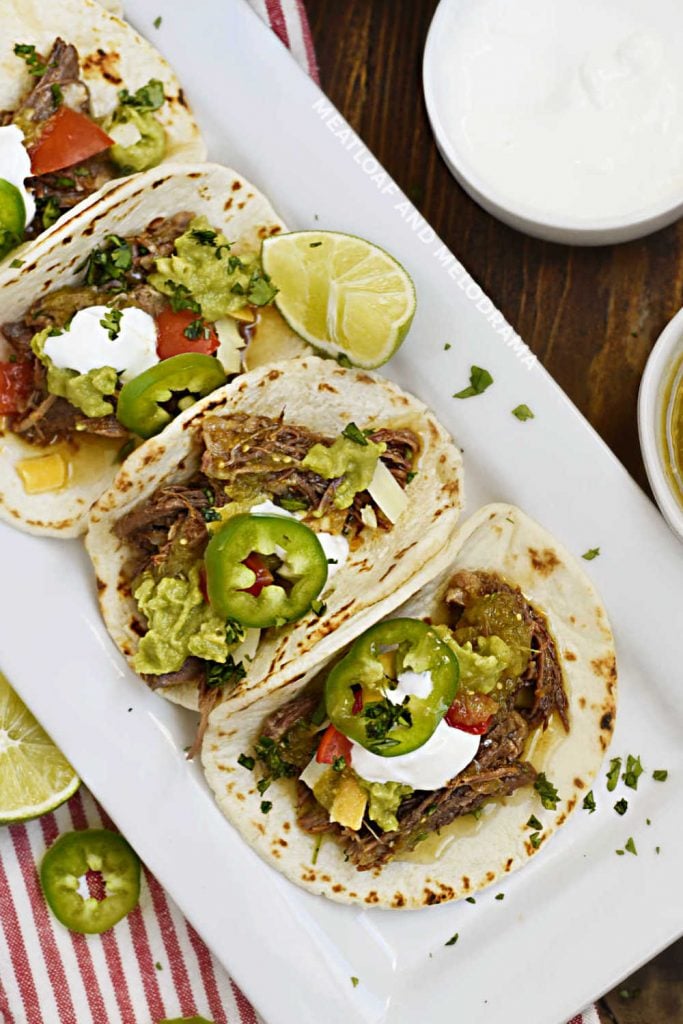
(34,776)
(340,293)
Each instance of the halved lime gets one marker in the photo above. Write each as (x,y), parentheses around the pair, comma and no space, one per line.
(340,293)
(34,776)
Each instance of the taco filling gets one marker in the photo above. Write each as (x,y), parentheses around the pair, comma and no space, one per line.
(420,724)
(152,325)
(253,539)
(54,151)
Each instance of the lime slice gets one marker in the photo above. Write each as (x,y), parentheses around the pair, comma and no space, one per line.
(342,294)
(34,776)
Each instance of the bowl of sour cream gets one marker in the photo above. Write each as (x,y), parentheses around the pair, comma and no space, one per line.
(660,422)
(563,118)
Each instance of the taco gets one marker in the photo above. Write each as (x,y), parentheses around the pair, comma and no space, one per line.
(117,319)
(83,100)
(268,525)
(449,742)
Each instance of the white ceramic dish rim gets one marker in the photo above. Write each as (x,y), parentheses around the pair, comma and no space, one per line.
(587,231)
(292,953)
(657,375)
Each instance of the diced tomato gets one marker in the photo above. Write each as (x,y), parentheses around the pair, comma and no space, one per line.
(471,712)
(334,744)
(357,700)
(16,384)
(264,577)
(171,337)
(68,138)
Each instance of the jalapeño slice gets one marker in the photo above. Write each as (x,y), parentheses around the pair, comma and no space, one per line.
(141,403)
(12,217)
(357,688)
(63,876)
(298,569)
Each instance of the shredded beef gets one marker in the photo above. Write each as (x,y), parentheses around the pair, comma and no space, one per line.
(285,718)
(192,671)
(62,70)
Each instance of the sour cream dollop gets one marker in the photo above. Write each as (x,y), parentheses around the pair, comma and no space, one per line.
(15,165)
(86,345)
(431,766)
(335,546)
(411,684)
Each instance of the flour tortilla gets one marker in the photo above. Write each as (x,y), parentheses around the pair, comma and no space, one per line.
(127,206)
(112,57)
(501,539)
(385,568)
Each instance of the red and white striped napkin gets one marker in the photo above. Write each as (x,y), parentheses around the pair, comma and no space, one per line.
(153,965)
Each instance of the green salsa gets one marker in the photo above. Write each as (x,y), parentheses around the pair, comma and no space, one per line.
(672,431)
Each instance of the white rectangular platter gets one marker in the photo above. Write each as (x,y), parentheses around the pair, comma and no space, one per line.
(578,918)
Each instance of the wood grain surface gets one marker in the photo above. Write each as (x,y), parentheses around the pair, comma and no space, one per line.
(591,315)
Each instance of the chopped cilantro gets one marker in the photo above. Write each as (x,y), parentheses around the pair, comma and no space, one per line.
(49,210)
(634,770)
(157,21)
(270,754)
(246,762)
(57,94)
(15,264)
(205,236)
(533,822)
(631,846)
(591,554)
(621,806)
(158,966)
(339,764)
(353,433)
(108,263)
(547,792)
(265,806)
(647,821)
(523,412)
(314,245)
(381,716)
(197,329)
(34,65)
(316,849)
(447,346)
(181,299)
(535,839)
(219,675)
(629,993)
(480,380)
(211,515)
(500,896)
(262,785)
(660,775)
(453,939)
(619,853)
(410,476)
(657,849)
(147,97)
(470,899)
(613,773)
(318,607)
(292,504)
(354,982)
(589,802)
(344,360)
(261,291)
(111,321)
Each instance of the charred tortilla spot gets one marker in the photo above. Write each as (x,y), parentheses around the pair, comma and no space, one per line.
(338,888)
(283,842)
(569,656)
(236,185)
(372,897)
(100,584)
(137,627)
(183,103)
(107,64)
(327,387)
(606,722)
(544,562)
(508,863)
(579,783)
(571,804)
(240,206)
(398,900)
(309,875)
(227,204)
(430,897)
(582,702)
(389,570)
(276,853)
(560,820)
(287,826)
(275,230)
(465,882)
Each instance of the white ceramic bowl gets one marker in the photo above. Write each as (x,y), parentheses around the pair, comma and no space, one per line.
(598,231)
(664,358)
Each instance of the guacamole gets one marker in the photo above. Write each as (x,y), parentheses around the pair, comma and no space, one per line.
(354,463)
(384,799)
(150,147)
(181,623)
(86,391)
(221,283)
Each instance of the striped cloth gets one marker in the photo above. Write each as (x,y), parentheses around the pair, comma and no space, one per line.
(153,965)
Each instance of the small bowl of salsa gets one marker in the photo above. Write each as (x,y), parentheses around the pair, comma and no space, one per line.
(660,422)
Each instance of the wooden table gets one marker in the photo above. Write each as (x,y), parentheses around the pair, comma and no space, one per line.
(591,315)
